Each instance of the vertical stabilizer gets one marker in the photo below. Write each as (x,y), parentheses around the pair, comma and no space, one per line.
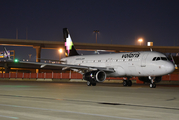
(6,54)
(69,46)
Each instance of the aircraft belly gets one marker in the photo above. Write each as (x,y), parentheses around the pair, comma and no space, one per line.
(132,71)
(153,70)
(119,71)
(156,71)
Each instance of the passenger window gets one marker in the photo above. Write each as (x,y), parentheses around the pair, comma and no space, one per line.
(154,59)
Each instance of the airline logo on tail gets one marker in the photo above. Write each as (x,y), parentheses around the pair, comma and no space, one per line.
(68,44)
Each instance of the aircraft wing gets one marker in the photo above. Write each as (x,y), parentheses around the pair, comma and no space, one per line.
(69,66)
(40,65)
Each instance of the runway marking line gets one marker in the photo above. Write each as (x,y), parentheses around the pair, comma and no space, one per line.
(9,117)
(139,106)
(65,111)
(104,103)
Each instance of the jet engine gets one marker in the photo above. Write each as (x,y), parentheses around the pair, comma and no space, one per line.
(95,76)
(146,79)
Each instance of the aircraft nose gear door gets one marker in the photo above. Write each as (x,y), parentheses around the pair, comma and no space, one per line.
(143,62)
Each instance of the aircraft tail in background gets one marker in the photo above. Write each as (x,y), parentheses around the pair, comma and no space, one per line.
(69,46)
(5,54)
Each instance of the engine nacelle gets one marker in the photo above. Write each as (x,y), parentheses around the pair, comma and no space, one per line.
(146,79)
(95,76)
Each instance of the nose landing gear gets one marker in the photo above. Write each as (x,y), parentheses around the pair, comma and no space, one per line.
(152,83)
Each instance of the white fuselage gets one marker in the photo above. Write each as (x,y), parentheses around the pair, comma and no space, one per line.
(126,64)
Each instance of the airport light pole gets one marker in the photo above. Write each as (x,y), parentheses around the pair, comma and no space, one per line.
(60,51)
(16,33)
(96,31)
(140,41)
(30,55)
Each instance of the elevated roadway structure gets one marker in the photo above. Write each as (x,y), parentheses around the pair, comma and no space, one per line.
(38,45)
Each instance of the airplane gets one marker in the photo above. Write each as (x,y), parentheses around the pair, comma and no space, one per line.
(148,66)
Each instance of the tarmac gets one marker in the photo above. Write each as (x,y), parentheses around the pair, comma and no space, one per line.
(40,100)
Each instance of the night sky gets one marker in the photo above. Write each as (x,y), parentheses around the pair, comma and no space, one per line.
(119,22)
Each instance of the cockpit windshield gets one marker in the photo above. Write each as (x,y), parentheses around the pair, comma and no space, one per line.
(154,58)
(159,58)
(164,58)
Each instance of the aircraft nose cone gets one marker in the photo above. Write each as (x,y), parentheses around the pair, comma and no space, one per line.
(170,67)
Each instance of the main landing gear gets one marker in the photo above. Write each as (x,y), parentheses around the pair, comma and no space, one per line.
(127,82)
(152,83)
(91,83)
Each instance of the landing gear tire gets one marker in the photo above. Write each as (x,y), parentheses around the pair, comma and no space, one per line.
(153,85)
(129,83)
(125,83)
(152,82)
(88,83)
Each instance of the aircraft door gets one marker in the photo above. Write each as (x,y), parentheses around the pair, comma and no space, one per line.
(143,61)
